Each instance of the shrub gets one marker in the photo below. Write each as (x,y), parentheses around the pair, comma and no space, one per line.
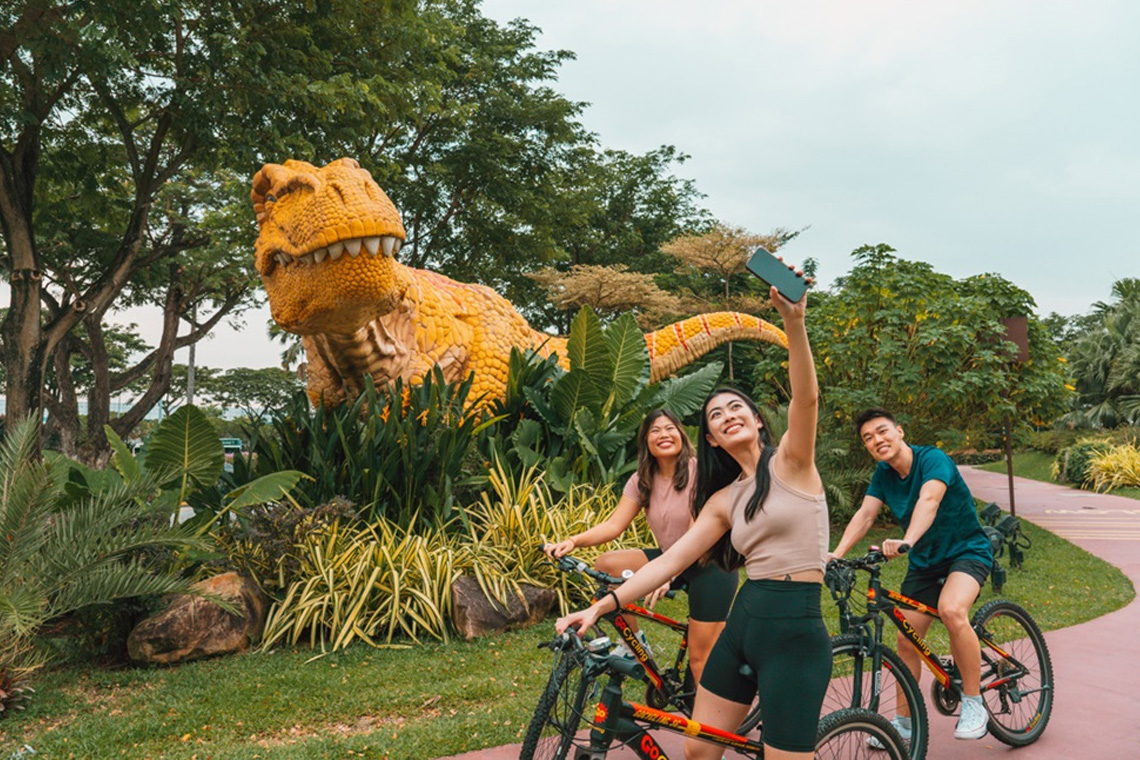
(505,532)
(1072,463)
(973,456)
(1119,467)
(262,545)
(403,452)
(373,583)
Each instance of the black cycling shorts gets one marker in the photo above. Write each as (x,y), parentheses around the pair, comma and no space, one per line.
(776,628)
(925,584)
(710,589)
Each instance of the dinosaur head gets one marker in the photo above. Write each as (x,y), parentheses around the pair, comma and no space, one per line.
(327,245)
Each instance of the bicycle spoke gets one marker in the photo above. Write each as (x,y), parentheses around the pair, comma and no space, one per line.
(1017,688)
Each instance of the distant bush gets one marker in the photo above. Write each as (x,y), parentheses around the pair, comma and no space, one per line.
(973,456)
(1072,463)
(1119,467)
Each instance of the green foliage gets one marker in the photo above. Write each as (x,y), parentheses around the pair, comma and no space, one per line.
(342,581)
(70,543)
(504,533)
(183,458)
(371,583)
(1072,463)
(403,452)
(262,544)
(1104,360)
(255,392)
(1119,467)
(895,333)
(581,422)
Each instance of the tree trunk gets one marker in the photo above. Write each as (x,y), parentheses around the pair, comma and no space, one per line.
(24,356)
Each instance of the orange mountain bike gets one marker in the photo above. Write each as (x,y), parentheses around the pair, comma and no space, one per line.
(1017,673)
(585,687)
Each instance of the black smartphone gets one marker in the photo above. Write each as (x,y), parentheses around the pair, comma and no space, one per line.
(771,270)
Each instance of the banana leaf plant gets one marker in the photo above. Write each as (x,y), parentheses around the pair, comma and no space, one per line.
(584,420)
(184,458)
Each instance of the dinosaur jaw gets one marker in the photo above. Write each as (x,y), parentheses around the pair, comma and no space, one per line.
(333,289)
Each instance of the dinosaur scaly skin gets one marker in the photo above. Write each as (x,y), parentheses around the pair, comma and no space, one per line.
(326,253)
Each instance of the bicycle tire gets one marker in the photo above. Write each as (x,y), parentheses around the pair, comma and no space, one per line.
(851,683)
(846,735)
(558,714)
(1020,708)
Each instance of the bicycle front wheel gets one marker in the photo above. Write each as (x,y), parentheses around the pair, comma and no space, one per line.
(853,684)
(552,729)
(855,733)
(1017,674)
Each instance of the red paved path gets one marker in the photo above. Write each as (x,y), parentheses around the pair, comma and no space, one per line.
(1096,712)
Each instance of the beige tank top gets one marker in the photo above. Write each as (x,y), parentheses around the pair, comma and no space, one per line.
(788,534)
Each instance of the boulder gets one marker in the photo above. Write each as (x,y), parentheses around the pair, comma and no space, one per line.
(192,627)
(476,615)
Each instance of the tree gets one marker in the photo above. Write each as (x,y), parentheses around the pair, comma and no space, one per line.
(130,131)
(722,251)
(607,290)
(1104,360)
(255,392)
(898,334)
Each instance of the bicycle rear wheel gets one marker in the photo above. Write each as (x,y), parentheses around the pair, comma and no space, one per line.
(852,685)
(847,735)
(1018,689)
(552,729)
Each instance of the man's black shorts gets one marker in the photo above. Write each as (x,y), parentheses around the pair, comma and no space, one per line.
(925,584)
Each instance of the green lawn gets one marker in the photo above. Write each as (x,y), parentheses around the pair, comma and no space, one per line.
(400,704)
(1037,465)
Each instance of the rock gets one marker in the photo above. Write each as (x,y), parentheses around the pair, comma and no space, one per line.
(476,615)
(192,627)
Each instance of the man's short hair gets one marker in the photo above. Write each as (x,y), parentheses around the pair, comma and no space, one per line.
(867,415)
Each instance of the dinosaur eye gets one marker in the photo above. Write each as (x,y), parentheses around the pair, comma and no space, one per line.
(270,198)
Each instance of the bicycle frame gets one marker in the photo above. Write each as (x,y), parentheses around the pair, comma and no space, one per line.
(618,620)
(629,722)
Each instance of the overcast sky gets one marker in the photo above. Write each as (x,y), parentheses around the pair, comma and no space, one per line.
(977,136)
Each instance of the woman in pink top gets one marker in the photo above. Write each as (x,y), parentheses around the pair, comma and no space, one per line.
(663,486)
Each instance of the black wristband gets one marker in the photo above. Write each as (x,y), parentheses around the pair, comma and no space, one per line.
(617,602)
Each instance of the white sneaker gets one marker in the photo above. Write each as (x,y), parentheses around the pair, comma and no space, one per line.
(972,720)
(622,650)
(902,725)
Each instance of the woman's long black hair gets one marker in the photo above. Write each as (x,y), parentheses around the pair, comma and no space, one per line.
(647,467)
(716,469)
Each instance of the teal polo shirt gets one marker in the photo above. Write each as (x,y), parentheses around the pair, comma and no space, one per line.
(956,532)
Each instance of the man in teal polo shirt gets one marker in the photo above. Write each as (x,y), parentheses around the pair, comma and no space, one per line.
(950,556)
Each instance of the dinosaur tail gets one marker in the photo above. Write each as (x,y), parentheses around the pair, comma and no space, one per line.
(675,345)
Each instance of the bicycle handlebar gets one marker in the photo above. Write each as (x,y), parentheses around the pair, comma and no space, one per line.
(568,564)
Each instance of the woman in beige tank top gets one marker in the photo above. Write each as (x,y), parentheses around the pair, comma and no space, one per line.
(764,496)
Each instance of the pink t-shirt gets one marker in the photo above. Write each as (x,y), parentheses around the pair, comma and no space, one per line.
(668,513)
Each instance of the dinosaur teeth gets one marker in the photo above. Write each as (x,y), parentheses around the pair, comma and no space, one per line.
(282,259)
(372,245)
(319,255)
(389,244)
(353,246)
(335,250)
(307,259)
(396,248)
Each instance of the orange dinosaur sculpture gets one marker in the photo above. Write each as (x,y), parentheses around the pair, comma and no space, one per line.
(326,253)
